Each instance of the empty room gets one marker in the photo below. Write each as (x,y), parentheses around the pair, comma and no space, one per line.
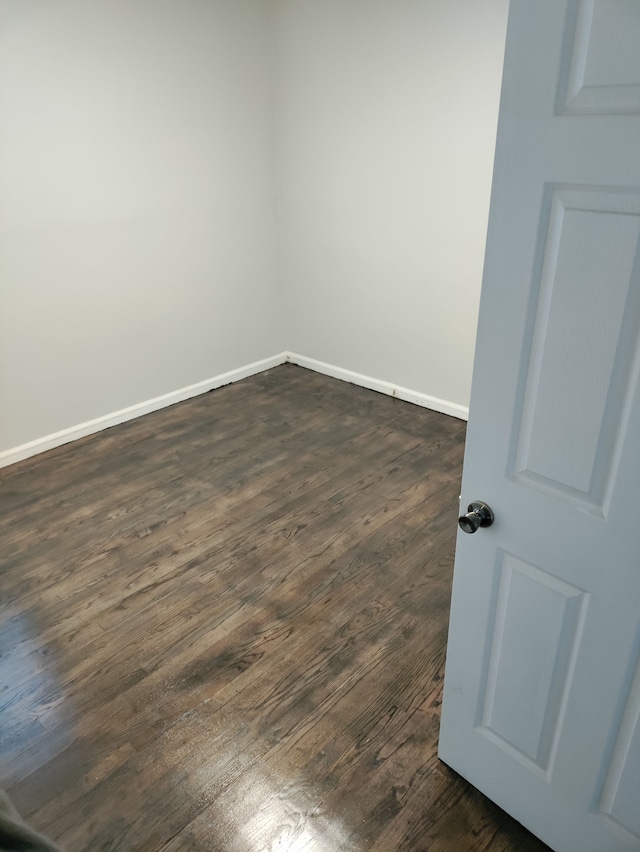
(270,271)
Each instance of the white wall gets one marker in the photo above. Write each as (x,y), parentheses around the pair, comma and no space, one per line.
(137,242)
(387,122)
(140,146)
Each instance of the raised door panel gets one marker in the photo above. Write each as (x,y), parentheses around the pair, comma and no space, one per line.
(584,329)
(620,799)
(603,69)
(538,620)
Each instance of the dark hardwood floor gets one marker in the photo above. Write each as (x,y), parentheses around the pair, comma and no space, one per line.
(224,625)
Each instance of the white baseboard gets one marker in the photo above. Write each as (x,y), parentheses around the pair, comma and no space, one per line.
(416,397)
(65,436)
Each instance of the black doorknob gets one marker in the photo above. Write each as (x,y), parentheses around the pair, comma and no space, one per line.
(478,515)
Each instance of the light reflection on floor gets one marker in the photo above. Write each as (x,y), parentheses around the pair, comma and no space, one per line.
(288,820)
(31,706)
(263,811)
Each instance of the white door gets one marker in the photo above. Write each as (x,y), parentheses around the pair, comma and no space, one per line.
(542,690)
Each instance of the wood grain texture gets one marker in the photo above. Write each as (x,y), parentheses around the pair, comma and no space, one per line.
(224,628)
